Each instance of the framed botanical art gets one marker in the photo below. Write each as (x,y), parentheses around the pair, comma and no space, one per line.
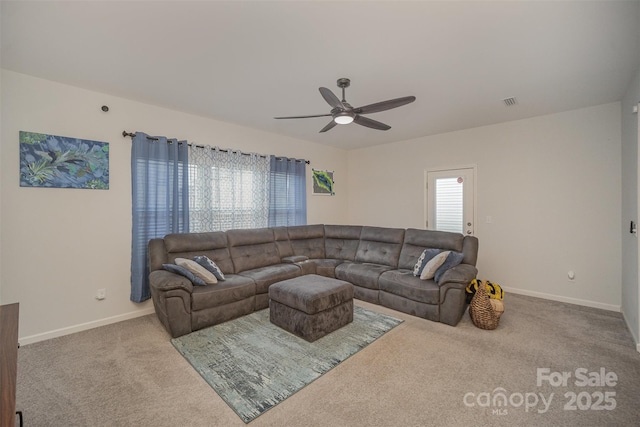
(323,184)
(63,162)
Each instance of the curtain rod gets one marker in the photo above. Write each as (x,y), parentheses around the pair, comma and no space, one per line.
(132,135)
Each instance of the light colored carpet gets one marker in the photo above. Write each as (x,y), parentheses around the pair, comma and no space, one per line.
(129,374)
(254,365)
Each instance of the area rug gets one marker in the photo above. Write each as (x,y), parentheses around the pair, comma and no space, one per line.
(254,365)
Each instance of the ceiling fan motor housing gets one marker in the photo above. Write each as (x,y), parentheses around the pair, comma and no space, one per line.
(344,82)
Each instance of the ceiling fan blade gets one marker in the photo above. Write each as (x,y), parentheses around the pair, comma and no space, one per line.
(331,99)
(331,125)
(374,124)
(304,117)
(384,105)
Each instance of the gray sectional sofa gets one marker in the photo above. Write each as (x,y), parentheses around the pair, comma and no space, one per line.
(377,261)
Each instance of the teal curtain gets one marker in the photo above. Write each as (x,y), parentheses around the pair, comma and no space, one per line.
(160,200)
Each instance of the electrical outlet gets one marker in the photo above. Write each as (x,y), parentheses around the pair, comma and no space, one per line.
(101,294)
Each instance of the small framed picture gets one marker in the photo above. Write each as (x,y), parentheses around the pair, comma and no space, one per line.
(323,184)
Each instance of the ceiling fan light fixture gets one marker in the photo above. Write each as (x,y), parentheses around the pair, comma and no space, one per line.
(343,118)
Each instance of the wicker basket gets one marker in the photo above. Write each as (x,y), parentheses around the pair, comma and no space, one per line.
(481,311)
(498,306)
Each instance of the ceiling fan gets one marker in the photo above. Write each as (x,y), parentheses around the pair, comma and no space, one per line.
(343,113)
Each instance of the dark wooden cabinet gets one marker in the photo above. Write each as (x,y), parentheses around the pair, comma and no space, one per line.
(8,363)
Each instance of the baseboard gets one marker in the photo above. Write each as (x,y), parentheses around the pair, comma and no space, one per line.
(631,331)
(576,301)
(84,326)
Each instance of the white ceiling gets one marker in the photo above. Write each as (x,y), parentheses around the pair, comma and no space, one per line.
(246,62)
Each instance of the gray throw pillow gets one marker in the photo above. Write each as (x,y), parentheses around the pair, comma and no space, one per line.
(184,272)
(425,257)
(432,266)
(197,270)
(209,265)
(452,260)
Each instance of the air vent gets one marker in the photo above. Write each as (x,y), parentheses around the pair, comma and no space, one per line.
(510,102)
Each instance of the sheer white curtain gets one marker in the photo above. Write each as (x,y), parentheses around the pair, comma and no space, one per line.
(227,189)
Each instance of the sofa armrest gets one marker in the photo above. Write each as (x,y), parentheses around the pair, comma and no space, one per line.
(461,273)
(163,280)
(294,259)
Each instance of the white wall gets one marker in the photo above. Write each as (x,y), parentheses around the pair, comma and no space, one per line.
(0,194)
(630,200)
(551,185)
(60,245)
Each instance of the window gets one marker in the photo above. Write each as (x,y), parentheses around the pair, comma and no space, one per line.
(450,200)
(178,188)
(227,190)
(448,206)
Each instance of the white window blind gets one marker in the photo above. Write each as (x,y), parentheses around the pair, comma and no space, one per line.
(449,205)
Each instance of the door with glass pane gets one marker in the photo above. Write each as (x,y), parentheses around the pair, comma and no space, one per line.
(450,200)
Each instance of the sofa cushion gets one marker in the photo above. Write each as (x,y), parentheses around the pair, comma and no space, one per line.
(191,242)
(197,270)
(210,266)
(252,249)
(184,273)
(341,241)
(361,274)
(347,232)
(283,244)
(265,276)
(454,258)
(432,266)
(404,284)
(307,240)
(234,288)
(380,245)
(327,267)
(341,249)
(294,259)
(188,245)
(416,241)
(425,257)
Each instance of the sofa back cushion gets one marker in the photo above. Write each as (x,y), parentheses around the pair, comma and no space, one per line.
(380,245)
(252,248)
(283,244)
(341,241)
(188,245)
(307,240)
(416,241)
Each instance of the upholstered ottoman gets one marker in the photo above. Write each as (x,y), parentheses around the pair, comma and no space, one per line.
(311,306)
